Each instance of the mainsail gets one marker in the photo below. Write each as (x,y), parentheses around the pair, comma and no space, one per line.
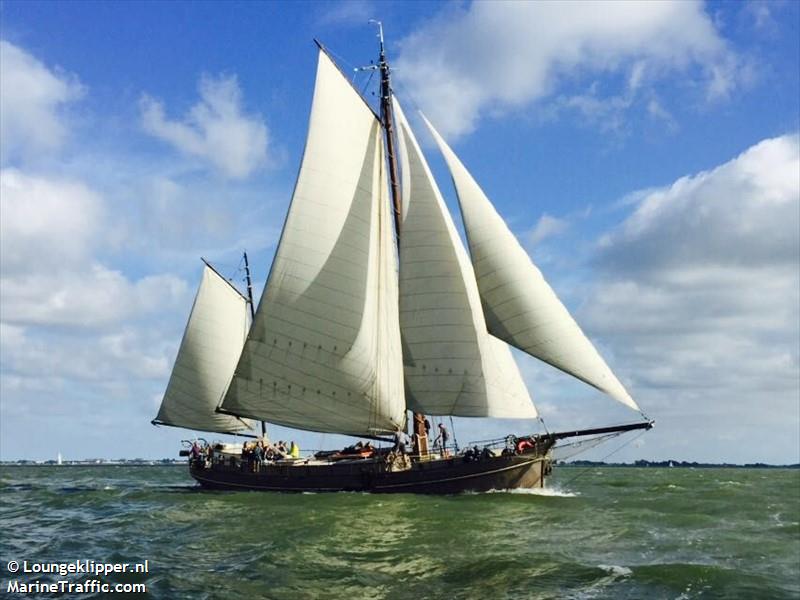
(324,351)
(208,353)
(452,365)
(519,305)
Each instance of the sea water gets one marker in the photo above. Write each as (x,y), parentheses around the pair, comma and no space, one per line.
(593,533)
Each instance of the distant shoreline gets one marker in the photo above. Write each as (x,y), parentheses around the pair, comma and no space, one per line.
(577,463)
(95,463)
(678,464)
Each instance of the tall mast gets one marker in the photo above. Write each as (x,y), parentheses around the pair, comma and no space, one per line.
(387,118)
(252,315)
(249,287)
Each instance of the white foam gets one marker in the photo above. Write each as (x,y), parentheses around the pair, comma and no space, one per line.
(554,492)
(616,570)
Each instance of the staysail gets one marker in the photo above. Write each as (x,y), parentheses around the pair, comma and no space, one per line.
(452,365)
(324,351)
(519,305)
(208,353)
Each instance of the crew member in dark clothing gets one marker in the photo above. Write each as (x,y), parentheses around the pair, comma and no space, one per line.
(442,438)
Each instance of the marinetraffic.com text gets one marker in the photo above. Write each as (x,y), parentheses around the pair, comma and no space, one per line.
(31,577)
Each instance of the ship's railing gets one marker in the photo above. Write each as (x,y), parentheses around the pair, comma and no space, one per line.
(510,443)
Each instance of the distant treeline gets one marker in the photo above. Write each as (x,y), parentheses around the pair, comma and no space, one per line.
(676,463)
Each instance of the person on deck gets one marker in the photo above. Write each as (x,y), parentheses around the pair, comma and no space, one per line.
(442,439)
(281,449)
(247,457)
(294,450)
(258,455)
(400,441)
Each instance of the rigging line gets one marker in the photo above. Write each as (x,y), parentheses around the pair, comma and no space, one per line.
(576,448)
(453,429)
(592,441)
(369,80)
(587,469)
(541,420)
(407,95)
(341,59)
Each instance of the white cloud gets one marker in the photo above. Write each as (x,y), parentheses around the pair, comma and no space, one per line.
(32,98)
(501,55)
(50,231)
(91,314)
(657,111)
(28,357)
(698,294)
(216,129)
(546,227)
(45,222)
(743,213)
(77,337)
(353,13)
(91,297)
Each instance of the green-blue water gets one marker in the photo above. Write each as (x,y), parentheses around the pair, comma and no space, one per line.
(610,533)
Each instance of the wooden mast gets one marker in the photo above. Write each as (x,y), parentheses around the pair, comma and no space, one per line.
(252,316)
(387,118)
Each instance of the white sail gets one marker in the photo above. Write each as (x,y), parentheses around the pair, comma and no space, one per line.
(519,305)
(208,353)
(324,350)
(452,365)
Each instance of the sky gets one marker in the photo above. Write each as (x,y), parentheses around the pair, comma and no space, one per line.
(646,155)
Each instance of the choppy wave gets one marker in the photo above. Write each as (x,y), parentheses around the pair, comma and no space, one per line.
(623,533)
(616,570)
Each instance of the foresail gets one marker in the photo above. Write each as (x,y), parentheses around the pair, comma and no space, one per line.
(208,353)
(452,365)
(519,305)
(324,350)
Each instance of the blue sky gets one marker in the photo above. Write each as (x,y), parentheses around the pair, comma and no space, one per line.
(646,155)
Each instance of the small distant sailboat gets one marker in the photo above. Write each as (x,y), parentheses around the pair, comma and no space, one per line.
(352,332)
(59,461)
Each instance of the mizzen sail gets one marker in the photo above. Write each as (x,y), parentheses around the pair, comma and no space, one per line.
(324,350)
(208,353)
(452,365)
(519,305)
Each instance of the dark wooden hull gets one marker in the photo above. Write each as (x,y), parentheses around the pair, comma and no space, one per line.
(442,476)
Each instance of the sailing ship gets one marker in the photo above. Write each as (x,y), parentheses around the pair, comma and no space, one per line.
(373,308)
